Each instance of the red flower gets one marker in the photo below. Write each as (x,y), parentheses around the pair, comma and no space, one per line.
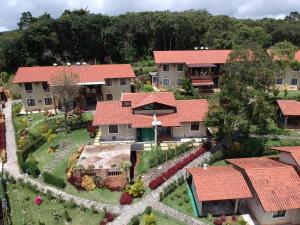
(38,200)
(125,199)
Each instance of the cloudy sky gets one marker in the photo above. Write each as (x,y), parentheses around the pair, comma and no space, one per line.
(10,10)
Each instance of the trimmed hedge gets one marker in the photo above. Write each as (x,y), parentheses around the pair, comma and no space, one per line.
(53,180)
(2,136)
(174,169)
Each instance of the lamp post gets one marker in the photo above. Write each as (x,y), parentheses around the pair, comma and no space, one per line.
(155,123)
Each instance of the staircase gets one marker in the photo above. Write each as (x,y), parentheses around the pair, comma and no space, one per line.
(97,138)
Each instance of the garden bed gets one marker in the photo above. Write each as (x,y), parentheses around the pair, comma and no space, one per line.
(51,211)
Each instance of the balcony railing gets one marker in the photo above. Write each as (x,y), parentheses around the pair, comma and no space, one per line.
(207,76)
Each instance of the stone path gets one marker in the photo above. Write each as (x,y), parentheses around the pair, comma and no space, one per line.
(59,155)
(125,212)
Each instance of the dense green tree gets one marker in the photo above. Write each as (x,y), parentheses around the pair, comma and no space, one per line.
(244,106)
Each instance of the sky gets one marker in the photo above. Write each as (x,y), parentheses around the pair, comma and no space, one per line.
(10,10)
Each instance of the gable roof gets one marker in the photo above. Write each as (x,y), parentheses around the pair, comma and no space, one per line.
(297,56)
(289,107)
(112,112)
(293,150)
(278,188)
(255,162)
(219,183)
(141,99)
(192,56)
(86,73)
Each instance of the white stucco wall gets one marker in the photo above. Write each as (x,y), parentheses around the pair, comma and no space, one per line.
(287,158)
(124,133)
(38,94)
(116,89)
(265,218)
(286,79)
(185,131)
(172,74)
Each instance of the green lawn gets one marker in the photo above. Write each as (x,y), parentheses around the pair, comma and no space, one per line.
(162,219)
(24,211)
(180,200)
(76,137)
(220,163)
(291,95)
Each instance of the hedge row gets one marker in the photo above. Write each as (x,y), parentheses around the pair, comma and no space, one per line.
(53,180)
(163,156)
(174,169)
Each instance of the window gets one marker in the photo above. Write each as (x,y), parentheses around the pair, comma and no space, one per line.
(296,69)
(195,126)
(48,101)
(45,86)
(294,81)
(179,67)
(31,102)
(108,82)
(279,214)
(113,129)
(166,67)
(129,126)
(28,87)
(279,81)
(109,97)
(166,81)
(123,81)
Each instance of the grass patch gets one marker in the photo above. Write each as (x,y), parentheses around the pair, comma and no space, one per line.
(76,137)
(220,163)
(162,219)
(24,211)
(290,95)
(180,200)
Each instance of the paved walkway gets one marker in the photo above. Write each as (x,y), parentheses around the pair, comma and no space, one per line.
(125,212)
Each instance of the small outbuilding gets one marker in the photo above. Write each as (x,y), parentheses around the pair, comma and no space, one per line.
(288,113)
(217,189)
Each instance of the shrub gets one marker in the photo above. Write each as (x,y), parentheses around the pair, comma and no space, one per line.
(161,196)
(156,182)
(150,219)
(88,183)
(148,210)
(223,218)
(125,199)
(67,216)
(109,216)
(53,180)
(135,220)
(209,217)
(137,189)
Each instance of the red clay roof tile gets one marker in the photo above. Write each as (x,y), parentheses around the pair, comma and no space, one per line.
(219,183)
(289,107)
(86,73)
(192,56)
(278,188)
(255,162)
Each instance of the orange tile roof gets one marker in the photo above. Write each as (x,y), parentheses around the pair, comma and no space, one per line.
(192,56)
(278,188)
(219,183)
(297,56)
(289,107)
(141,99)
(293,150)
(86,73)
(255,162)
(112,112)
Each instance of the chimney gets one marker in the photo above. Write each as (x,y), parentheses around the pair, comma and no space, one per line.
(205,166)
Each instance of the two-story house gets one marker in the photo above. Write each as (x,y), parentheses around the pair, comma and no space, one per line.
(97,83)
(203,67)
(290,78)
(131,118)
